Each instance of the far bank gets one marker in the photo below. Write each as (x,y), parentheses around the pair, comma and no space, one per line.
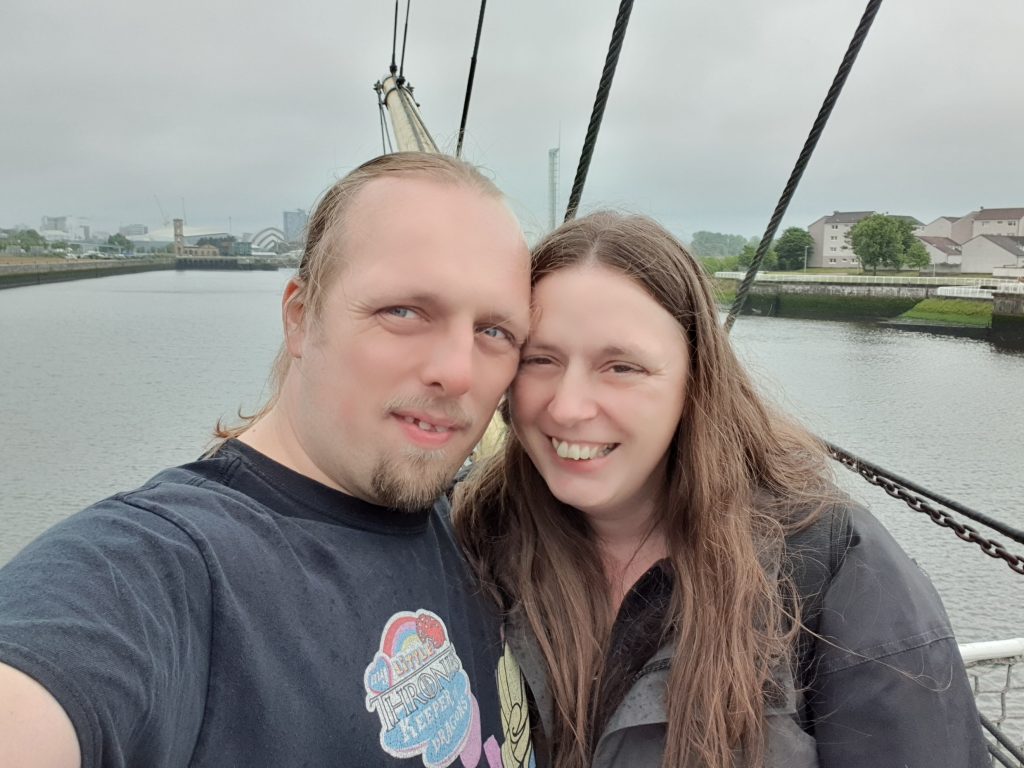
(976,307)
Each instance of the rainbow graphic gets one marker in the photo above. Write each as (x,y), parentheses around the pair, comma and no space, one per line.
(401,635)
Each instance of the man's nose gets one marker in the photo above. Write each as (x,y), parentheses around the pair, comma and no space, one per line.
(449,363)
(573,399)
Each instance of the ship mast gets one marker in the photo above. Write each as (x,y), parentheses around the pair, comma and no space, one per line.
(410,132)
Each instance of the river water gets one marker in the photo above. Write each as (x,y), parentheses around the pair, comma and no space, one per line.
(106,381)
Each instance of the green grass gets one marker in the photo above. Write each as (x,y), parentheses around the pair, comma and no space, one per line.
(977,314)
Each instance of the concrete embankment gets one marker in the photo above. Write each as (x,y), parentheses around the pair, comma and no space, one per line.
(19,275)
(1008,318)
(826,301)
(886,302)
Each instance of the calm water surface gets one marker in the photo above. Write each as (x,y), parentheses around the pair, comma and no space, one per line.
(106,381)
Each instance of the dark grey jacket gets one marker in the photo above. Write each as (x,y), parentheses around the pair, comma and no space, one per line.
(888,691)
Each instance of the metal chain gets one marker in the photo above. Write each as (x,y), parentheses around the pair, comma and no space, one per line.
(939,516)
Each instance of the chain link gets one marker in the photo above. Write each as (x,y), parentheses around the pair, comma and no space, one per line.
(939,516)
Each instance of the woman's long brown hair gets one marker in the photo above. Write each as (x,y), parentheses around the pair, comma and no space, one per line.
(740,478)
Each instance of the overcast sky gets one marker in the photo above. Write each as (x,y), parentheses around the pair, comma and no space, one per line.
(238,110)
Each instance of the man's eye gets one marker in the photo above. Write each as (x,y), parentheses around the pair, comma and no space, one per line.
(496,332)
(535,360)
(399,312)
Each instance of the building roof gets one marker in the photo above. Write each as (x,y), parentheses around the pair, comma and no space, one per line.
(1000,213)
(946,245)
(1010,244)
(847,217)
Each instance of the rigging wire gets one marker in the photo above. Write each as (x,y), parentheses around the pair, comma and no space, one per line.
(385,135)
(394,41)
(891,483)
(469,85)
(805,155)
(600,101)
(405,37)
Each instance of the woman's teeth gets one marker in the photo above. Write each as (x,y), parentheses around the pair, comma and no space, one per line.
(578,452)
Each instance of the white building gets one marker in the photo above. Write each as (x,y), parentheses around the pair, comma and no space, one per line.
(942,251)
(831,240)
(987,252)
(831,235)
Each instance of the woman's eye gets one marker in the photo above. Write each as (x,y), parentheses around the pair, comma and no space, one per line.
(623,368)
(535,360)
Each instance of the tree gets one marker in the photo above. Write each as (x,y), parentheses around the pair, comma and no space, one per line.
(716,244)
(746,257)
(887,241)
(121,242)
(917,255)
(792,246)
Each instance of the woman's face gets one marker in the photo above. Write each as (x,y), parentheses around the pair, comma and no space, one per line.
(600,391)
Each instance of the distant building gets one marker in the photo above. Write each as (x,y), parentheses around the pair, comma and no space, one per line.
(200,251)
(999,221)
(295,226)
(943,252)
(984,221)
(941,227)
(987,252)
(831,235)
(241,248)
(832,247)
(134,230)
(55,224)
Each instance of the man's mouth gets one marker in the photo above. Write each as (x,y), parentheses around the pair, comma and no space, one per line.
(426,426)
(581,451)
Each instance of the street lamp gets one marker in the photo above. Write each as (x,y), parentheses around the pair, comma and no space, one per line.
(805,257)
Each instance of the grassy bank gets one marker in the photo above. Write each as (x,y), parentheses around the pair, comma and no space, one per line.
(976,314)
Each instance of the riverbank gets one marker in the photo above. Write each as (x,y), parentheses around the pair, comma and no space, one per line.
(903,304)
(39,273)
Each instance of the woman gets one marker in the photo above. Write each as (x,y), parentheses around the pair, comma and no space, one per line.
(655,533)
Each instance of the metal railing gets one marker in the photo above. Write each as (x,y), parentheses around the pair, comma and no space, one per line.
(1000,284)
(996,672)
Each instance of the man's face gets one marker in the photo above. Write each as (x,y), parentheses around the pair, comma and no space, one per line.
(419,336)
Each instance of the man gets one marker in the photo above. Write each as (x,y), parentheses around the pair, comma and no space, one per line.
(293,599)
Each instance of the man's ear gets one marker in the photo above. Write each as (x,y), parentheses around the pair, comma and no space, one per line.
(293,315)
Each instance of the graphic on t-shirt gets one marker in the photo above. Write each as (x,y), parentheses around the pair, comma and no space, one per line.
(417,687)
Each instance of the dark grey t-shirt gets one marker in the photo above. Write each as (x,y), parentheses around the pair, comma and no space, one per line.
(234,613)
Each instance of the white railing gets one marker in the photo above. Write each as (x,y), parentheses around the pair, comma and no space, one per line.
(996,672)
(798,277)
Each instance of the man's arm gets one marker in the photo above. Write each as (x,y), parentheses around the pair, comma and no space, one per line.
(35,732)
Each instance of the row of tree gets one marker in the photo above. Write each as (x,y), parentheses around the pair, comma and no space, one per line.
(877,241)
(730,252)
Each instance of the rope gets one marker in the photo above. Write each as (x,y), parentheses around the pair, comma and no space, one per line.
(394,41)
(805,156)
(611,60)
(385,136)
(405,37)
(469,85)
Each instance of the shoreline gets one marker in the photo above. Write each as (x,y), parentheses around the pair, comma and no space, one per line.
(41,273)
